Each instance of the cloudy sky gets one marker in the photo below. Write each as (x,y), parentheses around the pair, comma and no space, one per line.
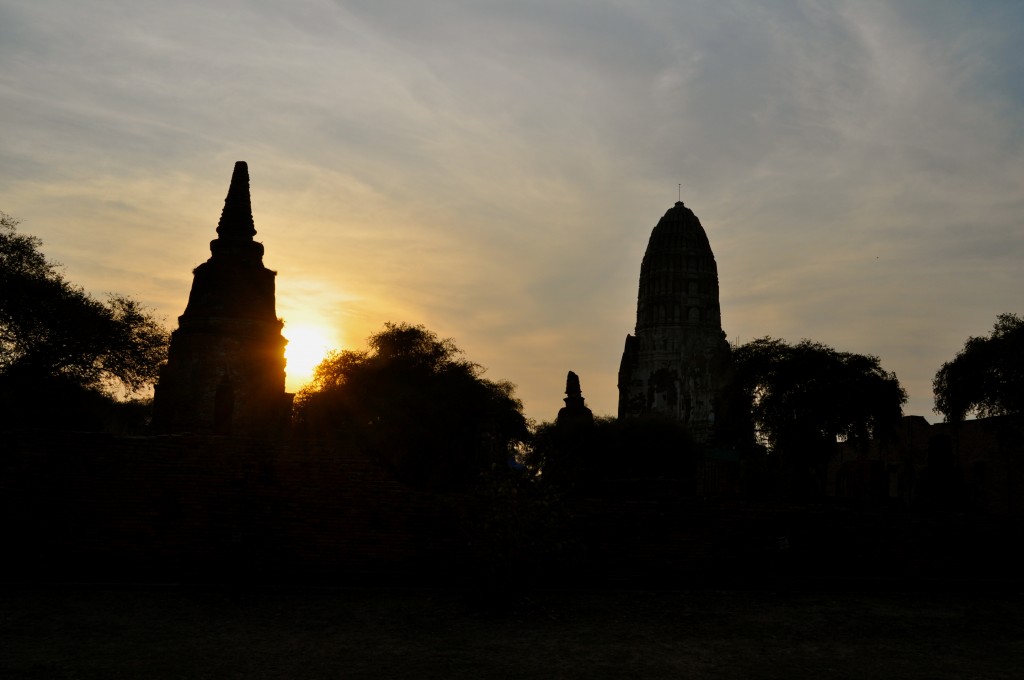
(493,169)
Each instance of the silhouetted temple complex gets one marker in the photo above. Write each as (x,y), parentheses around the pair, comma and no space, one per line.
(675,363)
(225,369)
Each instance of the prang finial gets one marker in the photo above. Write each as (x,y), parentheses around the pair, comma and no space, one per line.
(236,221)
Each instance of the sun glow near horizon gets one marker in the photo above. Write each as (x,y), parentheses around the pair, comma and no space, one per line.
(307,346)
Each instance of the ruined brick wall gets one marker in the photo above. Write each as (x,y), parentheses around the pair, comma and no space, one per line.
(96,507)
(973,466)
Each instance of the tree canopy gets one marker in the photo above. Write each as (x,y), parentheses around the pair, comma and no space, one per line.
(413,401)
(804,397)
(986,378)
(812,390)
(52,329)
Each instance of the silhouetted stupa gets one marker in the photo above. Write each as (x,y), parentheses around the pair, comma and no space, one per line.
(675,363)
(575,410)
(225,369)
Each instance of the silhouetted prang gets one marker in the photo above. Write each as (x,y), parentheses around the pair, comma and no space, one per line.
(225,369)
(575,410)
(675,364)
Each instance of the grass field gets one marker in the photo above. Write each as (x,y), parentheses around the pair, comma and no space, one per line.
(51,632)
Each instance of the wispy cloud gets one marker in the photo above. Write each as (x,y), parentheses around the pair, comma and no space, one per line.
(493,169)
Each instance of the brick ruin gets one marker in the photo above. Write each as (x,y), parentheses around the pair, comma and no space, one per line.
(225,369)
(676,361)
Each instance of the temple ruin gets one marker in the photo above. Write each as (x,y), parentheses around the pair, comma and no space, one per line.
(225,368)
(675,362)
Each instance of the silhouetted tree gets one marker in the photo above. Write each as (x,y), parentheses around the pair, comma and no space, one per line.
(986,377)
(53,333)
(413,401)
(804,397)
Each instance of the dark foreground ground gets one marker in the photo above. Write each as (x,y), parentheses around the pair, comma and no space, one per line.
(53,632)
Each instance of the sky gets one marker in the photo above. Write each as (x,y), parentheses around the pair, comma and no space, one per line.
(492,170)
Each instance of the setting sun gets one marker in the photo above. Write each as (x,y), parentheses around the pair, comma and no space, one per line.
(307,346)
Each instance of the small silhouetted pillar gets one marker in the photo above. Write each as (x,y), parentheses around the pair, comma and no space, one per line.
(575,411)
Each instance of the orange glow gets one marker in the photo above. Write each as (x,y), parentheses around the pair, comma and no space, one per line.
(307,346)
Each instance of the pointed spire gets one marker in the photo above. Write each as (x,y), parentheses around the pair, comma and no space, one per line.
(236,220)
(572,386)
